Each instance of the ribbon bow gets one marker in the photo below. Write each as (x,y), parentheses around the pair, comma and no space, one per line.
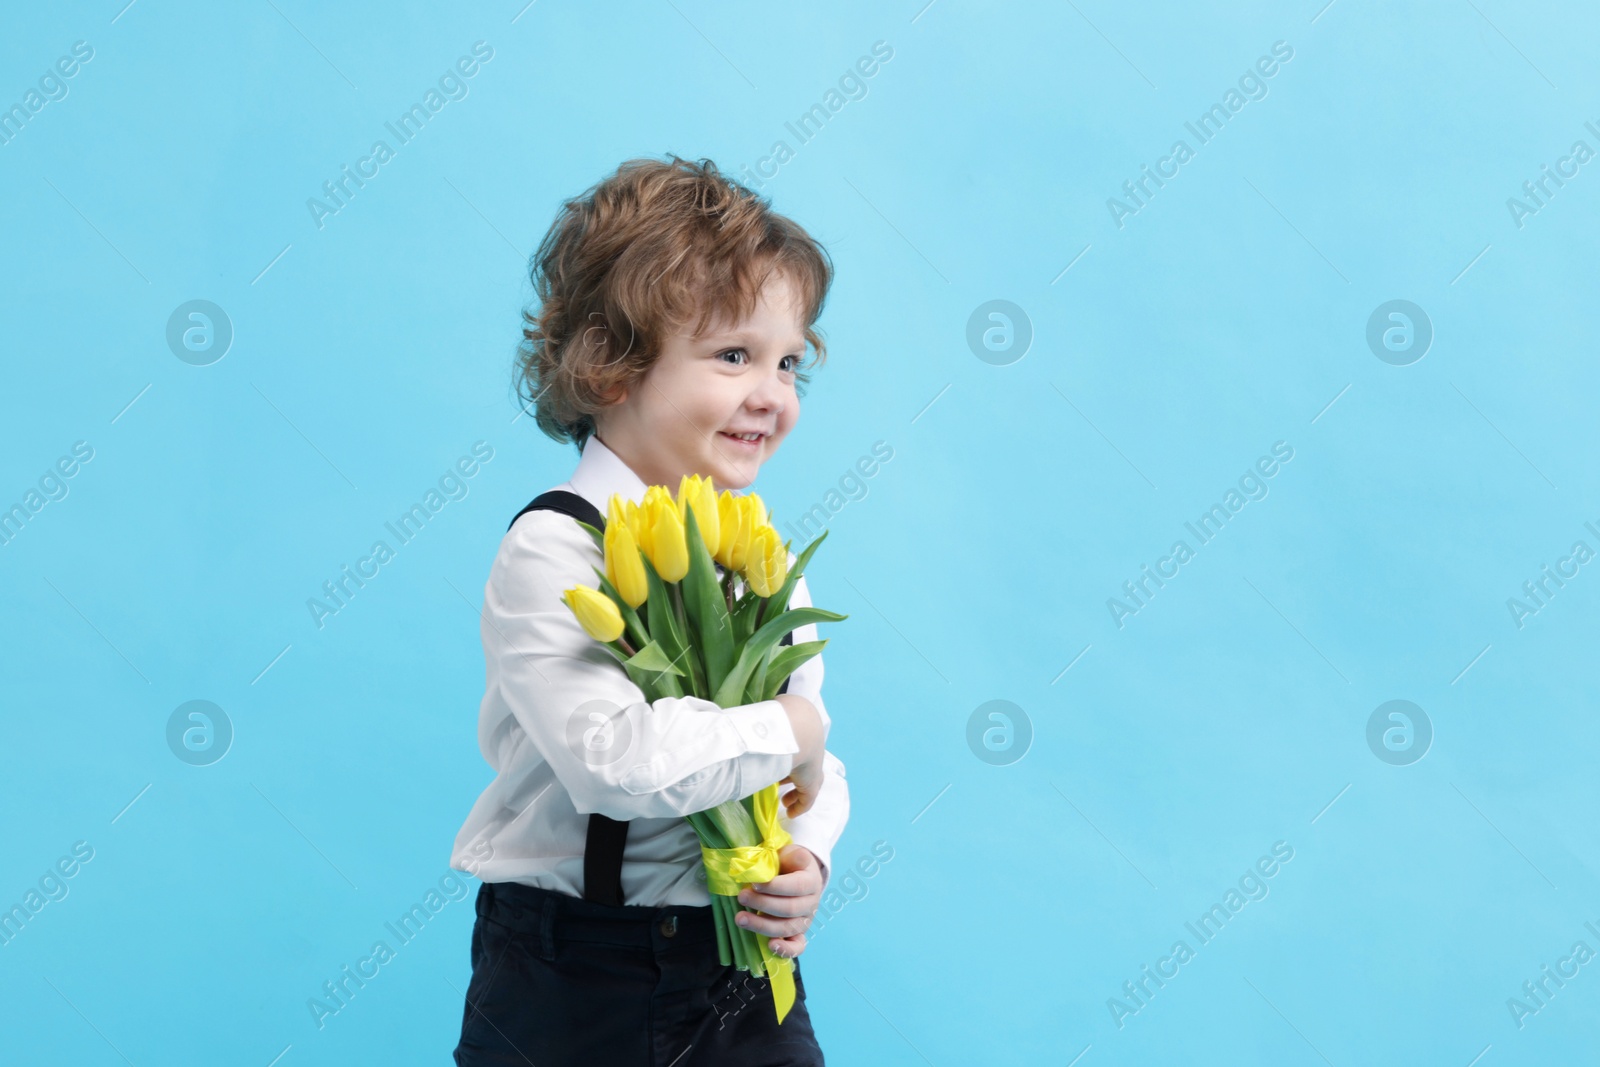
(729,868)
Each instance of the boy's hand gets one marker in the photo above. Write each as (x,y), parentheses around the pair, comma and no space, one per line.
(807,781)
(806,773)
(789,901)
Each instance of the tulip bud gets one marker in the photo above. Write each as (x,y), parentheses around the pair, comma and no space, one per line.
(624,568)
(759,516)
(667,535)
(634,516)
(697,493)
(655,499)
(767,567)
(737,539)
(727,528)
(596,613)
(615,516)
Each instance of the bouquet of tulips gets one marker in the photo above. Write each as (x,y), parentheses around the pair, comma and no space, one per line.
(673,611)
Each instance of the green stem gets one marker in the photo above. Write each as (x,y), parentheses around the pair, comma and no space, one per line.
(729,906)
(741,937)
(695,680)
(724,943)
(753,948)
(637,629)
(751,960)
(675,593)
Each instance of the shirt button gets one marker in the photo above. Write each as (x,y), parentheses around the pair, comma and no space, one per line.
(761,729)
(669,926)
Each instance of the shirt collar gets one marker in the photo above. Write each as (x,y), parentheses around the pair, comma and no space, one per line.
(601,472)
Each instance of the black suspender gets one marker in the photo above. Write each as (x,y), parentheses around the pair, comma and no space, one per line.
(568,504)
(602,856)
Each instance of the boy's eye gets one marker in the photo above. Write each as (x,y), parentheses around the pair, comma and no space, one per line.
(793,360)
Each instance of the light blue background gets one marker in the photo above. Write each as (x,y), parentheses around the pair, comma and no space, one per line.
(1228,314)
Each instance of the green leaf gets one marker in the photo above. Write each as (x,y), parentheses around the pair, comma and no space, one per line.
(663,621)
(668,685)
(652,658)
(771,632)
(758,684)
(653,684)
(664,629)
(694,661)
(733,818)
(653,672)
(744,614)
(707,830)
(783,594)
(598,535)
(785,663)
(708,611)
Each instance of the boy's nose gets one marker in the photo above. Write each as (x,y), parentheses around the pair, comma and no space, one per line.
(770,396)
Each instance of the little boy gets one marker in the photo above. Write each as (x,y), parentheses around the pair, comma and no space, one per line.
(674,312)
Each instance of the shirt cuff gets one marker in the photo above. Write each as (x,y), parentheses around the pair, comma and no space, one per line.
(820,828)
(814,841)
(764,727)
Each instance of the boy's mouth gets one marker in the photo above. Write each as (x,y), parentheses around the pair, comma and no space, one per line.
(749,443)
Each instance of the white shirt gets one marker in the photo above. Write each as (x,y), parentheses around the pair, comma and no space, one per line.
(682,754)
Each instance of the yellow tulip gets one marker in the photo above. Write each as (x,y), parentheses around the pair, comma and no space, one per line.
(596,613)
(727,524)
(736,535)
(767,567)
(697,493)
(759,516)
(671,545)
(655,497)
(616,516)
(624,568)
(634,516)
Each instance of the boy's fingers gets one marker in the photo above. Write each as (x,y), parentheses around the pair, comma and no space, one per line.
(781,892)
(776,908)
(789,947)
(797,882)
(774,926)
(792,884)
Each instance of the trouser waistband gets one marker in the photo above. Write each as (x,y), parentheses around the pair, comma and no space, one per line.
(547,918)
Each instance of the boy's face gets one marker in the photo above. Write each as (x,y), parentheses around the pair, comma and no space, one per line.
(737,378)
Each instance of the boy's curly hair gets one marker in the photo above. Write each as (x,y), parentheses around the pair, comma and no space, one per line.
(640,254)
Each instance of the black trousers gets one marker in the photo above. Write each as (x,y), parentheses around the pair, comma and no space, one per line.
(559,980)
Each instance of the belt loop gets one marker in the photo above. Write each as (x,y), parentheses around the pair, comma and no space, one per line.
(547,927)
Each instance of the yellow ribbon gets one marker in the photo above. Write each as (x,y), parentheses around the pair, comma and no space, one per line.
(729,868)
